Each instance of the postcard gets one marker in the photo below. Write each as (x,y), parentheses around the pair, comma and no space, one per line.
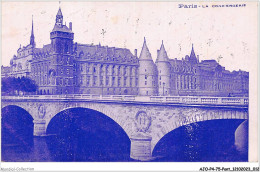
(134,83)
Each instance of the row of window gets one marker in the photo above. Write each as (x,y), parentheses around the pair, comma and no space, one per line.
(106,69)
(108,81)
(182,69)
(40,67)
(108,58)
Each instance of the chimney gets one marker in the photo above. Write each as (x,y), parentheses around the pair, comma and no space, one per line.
(198,58)
(136,52)
(70,25)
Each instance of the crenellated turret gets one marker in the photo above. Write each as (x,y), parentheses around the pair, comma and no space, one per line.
(148,75)
(164,67)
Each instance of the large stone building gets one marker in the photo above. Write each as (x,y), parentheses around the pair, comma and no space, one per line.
(67,67)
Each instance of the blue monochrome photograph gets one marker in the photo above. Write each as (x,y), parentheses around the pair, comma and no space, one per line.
(125,82)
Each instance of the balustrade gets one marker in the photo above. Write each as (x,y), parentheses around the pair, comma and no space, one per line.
(159,99)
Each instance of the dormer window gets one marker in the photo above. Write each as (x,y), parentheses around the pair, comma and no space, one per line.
(81,54)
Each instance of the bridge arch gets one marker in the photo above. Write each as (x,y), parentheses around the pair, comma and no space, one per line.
(83,130)
(16,124)
(103,109)
(22,106)
(182,121)
(199,141)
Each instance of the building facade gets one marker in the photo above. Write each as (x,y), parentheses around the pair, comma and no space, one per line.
(68,67)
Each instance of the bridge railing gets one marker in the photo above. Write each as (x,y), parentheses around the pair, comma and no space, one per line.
(133,98)
(201,100)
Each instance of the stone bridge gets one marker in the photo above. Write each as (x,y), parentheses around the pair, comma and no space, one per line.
(144,119)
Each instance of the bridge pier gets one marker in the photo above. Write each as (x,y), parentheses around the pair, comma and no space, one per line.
(141,148)
(39,127)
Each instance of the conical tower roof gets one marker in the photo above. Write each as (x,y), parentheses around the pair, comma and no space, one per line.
(145,53)
(162,54)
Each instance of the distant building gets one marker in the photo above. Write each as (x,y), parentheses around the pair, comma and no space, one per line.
(67,67)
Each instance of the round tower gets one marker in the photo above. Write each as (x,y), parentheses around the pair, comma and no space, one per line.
(148,75)
(164,69)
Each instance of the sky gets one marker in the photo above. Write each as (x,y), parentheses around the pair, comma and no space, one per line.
(227,34)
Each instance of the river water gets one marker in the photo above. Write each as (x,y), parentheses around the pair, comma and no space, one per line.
(191,143)
(84,135)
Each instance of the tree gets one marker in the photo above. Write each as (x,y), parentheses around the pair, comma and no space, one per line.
(12,85)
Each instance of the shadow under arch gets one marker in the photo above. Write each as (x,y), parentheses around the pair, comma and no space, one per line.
(16,124)
(204,141)
(16,132)
(82,134)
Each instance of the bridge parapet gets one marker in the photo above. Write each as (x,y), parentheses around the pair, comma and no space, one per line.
(193,100)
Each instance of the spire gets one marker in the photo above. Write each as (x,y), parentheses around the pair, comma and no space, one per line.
(193,57)
(162,54)
(32,42)
(145,53)
(59,18)
(59,12)
(162,47)
(32,25)
(192,54)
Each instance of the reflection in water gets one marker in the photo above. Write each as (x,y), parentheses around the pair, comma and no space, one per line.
(86,135)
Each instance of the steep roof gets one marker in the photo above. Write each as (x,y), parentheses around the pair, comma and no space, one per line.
(63,28)
(192,53)
(90,51)
(59,12)
(145,53)
(162,54)
(46,48)
(32,34)
(32,42)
